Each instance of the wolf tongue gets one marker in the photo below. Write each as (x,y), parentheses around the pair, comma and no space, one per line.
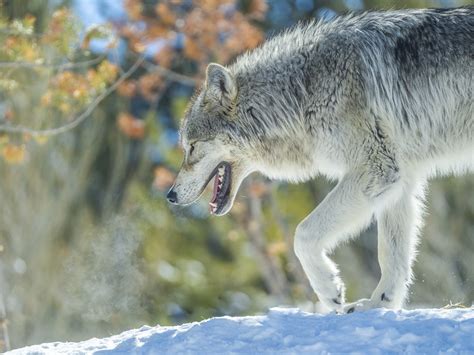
(215,191)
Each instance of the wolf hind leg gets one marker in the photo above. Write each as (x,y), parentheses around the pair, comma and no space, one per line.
(343,213)
(398,228)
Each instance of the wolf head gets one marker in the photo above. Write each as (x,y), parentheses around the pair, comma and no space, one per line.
(210,148)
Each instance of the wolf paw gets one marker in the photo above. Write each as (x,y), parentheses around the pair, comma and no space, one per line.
(377,301)
(336,302)
(360,305)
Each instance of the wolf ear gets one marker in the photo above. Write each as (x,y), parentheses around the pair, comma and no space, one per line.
(220,84)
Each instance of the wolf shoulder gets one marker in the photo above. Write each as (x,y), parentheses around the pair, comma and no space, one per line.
(422,85)
(411,72)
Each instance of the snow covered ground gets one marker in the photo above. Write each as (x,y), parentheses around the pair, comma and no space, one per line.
(285,330)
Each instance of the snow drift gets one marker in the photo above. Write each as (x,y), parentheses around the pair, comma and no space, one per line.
(292,331)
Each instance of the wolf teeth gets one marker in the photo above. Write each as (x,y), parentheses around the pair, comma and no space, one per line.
(213,207)
(221,171)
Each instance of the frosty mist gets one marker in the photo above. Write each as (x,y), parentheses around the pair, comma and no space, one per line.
(103,278)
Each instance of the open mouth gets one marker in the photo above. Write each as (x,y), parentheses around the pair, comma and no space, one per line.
(221,189)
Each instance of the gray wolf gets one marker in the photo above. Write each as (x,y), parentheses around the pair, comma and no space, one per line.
(379,101)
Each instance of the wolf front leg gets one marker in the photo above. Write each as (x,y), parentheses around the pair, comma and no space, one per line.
(346,210)
(398,227)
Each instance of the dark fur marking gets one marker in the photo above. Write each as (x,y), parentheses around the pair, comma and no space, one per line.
(222,86)
(381,137)
(418,46)
(310,116)
(441,10)
(350,310)
(406,51)
(256,120)
(384,298)
(336,301)
(405,117)
(294,87)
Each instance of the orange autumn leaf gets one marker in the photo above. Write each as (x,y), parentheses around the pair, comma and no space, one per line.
(149,85)
(209,40)
(253,37)
(155,30)
(46,99)
(59,21)
(134,9)
(8,115)
(69,82)
(30,54)
(14,154)
(65,107)
(29,20)
(131,126)
(164,178)
(211,5)
(94,79)
(63,80)
(127,88)
(97,32)
(80,93)
(258,8)
(164,56)
(167,16)
(107,71)
(127,31)
(10,42)
(192,50)
(137,45)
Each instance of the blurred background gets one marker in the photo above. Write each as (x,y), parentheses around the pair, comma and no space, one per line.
(91,96)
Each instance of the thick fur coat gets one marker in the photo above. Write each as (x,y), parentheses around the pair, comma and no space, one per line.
(380,101)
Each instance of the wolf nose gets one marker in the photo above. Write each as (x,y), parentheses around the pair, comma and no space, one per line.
(172,196)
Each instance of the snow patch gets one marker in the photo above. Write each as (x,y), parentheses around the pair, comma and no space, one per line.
(287,330)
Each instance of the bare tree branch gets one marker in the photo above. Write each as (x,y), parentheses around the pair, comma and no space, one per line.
(79,119)
(171,75)
(61,66)
(10,32)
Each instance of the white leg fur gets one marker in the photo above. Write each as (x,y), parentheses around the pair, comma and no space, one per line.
(398,227)
(344,212)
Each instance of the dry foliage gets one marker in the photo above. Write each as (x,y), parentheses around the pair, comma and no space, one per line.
(190,36)
(43,81)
